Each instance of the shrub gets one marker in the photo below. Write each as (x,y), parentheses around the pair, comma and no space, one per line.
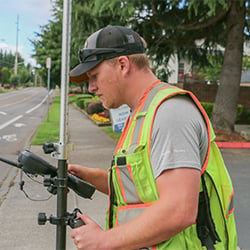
(80,102)
(81,98)
(209,109)
(95,107)
(87,102)
(239,111)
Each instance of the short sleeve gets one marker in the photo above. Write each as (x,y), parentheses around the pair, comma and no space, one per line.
(179,136)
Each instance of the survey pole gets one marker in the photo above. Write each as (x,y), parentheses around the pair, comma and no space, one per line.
(63,148)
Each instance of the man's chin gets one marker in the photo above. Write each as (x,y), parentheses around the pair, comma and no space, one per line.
(110,106)
(106,106)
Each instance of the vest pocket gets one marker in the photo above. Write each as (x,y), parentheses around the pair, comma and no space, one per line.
(135,177)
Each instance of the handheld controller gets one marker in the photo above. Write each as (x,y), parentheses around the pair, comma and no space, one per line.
(33,164)
(75,221)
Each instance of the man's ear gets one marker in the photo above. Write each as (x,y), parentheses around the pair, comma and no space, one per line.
(124,65)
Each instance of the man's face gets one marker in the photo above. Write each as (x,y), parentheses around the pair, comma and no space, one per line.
(104,81)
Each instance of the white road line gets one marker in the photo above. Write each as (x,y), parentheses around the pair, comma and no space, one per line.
(37,106)
(27,112)
(10,121)
(2,113)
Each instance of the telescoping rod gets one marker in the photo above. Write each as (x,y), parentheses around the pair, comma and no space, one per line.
(62,161)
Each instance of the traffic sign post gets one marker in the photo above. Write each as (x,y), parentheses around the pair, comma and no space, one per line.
(48,66)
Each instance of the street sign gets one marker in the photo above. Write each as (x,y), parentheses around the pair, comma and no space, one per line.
(119,116)
(48,62)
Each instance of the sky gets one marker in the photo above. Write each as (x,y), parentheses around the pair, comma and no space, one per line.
(32,14)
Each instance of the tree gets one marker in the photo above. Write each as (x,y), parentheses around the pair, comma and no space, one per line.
(48,44)
(86,18)
(14,79)
(7,62)
(169,27)
(225,108)
(175,27)
(5,75)
(24,75)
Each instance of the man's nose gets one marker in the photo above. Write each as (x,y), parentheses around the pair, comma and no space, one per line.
(92,87)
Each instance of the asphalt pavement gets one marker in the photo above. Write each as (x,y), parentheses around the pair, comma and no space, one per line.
(93,148)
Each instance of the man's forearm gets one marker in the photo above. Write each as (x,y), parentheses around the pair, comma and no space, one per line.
(149,228)
(98,178)
(175,210)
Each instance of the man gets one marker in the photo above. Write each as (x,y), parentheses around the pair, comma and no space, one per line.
(166,146)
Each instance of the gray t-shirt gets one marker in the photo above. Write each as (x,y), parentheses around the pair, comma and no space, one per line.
(179,136)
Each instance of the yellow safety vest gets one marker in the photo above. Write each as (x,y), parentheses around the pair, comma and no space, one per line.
(132,187)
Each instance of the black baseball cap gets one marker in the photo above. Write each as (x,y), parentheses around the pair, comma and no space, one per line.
(106,43)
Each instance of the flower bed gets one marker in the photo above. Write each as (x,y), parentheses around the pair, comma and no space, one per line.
(100,119)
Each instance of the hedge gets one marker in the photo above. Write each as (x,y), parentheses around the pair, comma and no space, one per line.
(83,100)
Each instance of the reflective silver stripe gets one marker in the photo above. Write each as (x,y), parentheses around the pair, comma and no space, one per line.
(128,189)
(128,214)
(141,115)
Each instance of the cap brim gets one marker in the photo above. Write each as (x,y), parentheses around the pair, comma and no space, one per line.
(78,74)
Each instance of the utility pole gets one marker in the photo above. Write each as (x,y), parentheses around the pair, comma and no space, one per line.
(17,30)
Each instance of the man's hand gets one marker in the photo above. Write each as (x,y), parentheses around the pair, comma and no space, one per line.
(97,177)
(76,170)
(90,236)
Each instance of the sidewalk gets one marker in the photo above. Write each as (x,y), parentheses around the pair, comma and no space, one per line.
(19,227)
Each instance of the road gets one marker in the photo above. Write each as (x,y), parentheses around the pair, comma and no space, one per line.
(21,113)
(237,162)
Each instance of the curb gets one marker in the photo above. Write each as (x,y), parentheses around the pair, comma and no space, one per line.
(236,145)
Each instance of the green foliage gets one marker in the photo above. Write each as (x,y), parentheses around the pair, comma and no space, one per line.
(23,74)
(169,27)
(83,100)
(48,44)
(86,18)
(7,59)
(212,71)
(246,63)
(5,75)
(7,62)
(208,107)
(14,79)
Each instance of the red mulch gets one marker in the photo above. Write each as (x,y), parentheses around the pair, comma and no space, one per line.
(224,136)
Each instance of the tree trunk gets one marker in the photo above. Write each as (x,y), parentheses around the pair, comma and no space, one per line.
(225,108)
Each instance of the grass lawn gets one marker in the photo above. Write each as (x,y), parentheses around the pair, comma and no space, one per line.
(50,127)
(115,135)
